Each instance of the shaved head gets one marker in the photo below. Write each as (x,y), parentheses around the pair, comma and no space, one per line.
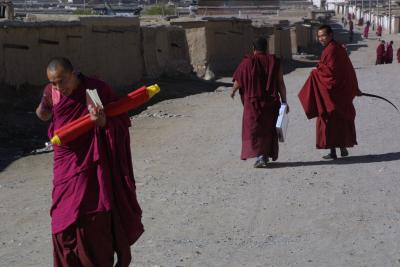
(60,74)
(60,62)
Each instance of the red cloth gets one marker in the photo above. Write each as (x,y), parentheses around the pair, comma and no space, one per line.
(93,173)
(91,241)
(380,54)
(398,55)
(389,54)
(366,31)
(379,30)
(257,76)
(328,95)
(74,129)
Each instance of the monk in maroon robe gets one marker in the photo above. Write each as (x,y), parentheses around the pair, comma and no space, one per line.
(380,53)
(379,30)
(398,55)
(328,95)
(94,211)
(351,31)
(259,80)
(389,53)
(366,31)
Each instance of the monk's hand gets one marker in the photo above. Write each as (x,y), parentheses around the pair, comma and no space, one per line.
(287,108)
(233,93)
(97,115)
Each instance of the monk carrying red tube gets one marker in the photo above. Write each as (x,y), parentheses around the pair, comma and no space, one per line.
(94,212)
(80,126)
(328,96)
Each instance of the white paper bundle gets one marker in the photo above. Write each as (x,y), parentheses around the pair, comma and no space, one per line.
(93,98)
(282,123)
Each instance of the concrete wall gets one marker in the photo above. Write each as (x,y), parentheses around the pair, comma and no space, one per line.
(282,43)
(219,44)
(107,47)
(165,51)
(196,39)
(228,41)
(121,52)
(306,37)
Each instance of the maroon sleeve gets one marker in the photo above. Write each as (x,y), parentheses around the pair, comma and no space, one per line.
(107,95)
(240,72)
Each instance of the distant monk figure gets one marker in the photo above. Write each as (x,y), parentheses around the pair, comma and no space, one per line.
(379,30)
(351,30)
(366,30)
(380,53)
(389,53)
(259,80)
(398,55)
(328,95)
(94,212)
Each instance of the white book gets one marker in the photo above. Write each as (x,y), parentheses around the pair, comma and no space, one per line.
(92,97)
(282,123)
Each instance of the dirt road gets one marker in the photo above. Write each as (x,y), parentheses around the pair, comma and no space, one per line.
(203,206)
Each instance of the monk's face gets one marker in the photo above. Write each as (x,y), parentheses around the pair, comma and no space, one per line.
(323,37)
(61,80)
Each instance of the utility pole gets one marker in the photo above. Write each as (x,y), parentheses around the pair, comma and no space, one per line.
(369,10)
(377,13)
(390,17)
(355,8)
(362,8)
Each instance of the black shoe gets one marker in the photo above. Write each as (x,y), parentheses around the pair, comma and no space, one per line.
(261,162)
(344,152)
(330,156)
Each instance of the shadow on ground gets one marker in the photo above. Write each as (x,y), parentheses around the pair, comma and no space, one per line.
(364,159)
(22,133)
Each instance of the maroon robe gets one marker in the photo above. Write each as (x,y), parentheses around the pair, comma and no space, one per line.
(366,31)
(257,76)
(93,175)
(398,55)
(380,54)
(328,95)
(389,54)
(379,30)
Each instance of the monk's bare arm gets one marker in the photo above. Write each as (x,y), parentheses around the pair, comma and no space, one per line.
(235,88)
(97,115)
(43,113)
(282,88)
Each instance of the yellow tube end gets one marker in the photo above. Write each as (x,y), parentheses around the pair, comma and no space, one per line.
(55,140)
(153,90)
